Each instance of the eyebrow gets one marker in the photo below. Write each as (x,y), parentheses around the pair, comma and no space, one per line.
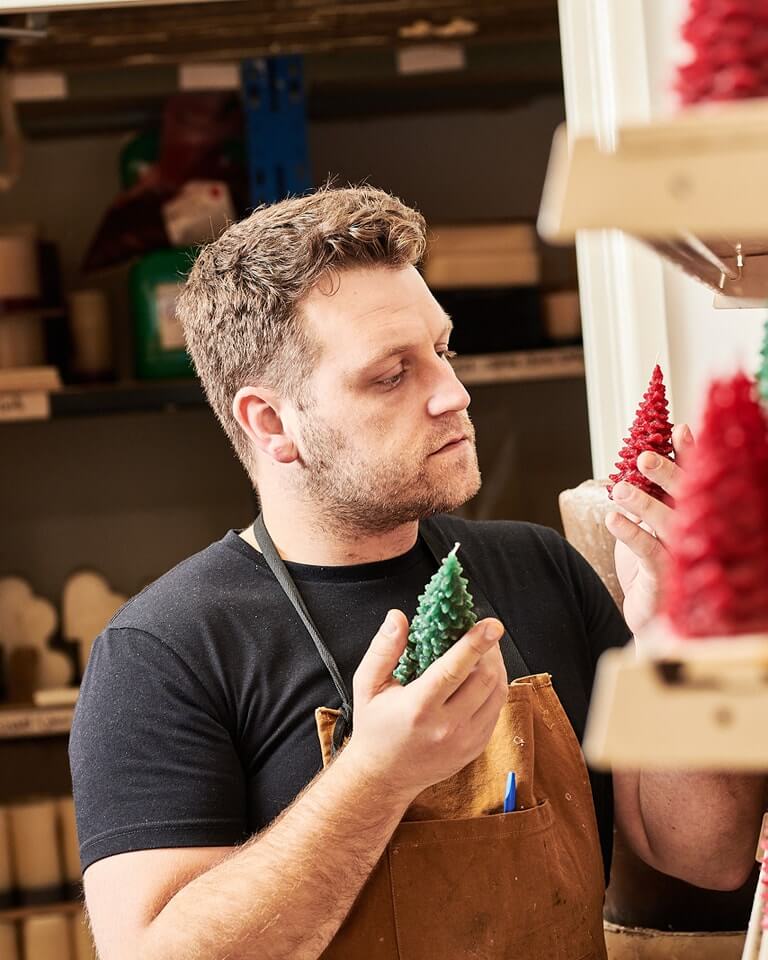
(394,351)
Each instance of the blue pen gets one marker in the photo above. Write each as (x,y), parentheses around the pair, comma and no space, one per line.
(510,795)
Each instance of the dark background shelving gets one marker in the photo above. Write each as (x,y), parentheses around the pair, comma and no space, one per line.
(132,493)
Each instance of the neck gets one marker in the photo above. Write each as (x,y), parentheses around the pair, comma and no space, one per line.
(301,536)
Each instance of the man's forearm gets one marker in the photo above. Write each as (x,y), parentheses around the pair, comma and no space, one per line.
(701,827)
(285,893)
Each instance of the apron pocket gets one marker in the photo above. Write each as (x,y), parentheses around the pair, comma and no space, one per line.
(478,888)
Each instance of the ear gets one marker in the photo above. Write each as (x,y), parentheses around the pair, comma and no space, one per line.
(258,411)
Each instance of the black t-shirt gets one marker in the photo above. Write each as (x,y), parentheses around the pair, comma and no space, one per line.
(195,724)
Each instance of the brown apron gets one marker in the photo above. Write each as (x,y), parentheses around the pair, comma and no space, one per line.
(460,879)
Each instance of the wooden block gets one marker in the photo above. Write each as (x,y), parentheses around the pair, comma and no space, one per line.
(35,850)
(687,705)
(56,697)
(483,270)
(29,378)
(692,173)
(46,937)
(474,239)
(636,943)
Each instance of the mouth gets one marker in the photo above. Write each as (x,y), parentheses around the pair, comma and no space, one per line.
(452,444)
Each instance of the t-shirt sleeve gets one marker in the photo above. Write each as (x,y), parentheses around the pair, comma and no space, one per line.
(605,625)
(153,763)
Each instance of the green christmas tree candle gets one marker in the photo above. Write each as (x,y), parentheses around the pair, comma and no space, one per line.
(444,615)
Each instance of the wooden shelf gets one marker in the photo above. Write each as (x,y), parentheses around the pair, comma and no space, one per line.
(82,39)
(558,363)
(677,704)
(686,186)
(132,397)
(164,396)
(21,913)
(160,396)
(23,722)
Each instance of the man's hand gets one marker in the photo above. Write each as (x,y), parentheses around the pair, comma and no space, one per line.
(407,738)
(640,553)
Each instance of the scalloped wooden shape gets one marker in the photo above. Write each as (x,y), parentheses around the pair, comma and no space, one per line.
(27,620)
(88,603)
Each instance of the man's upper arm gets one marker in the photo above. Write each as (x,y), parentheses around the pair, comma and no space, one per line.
(154,765)
(125,893)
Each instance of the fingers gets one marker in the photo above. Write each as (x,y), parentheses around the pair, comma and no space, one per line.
(486,678)
(443,677)
(661,471)
(683,444)
(643,507)
(380,659)
(666,473)
(646,547)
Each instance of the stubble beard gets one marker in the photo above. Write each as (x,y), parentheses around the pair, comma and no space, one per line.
(356,495)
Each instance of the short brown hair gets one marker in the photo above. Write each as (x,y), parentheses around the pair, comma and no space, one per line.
(240,305)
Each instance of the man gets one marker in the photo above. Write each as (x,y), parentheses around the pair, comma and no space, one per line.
(213,699)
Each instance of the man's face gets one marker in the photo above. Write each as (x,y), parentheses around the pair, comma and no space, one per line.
(385,402)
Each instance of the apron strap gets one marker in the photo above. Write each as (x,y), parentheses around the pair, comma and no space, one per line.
(276,565)
(440,543)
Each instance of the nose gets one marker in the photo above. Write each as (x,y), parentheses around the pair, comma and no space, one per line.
(448,393)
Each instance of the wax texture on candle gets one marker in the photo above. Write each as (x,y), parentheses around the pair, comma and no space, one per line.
(729,51)
(444,614)
(717,577)
(651,430)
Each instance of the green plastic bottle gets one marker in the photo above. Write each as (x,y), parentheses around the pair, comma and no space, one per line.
(140,153)
(155,282)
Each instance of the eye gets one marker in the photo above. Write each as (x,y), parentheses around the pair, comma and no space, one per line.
(447,354)
(392,381)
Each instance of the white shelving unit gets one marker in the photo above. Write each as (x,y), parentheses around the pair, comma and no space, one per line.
(685,186)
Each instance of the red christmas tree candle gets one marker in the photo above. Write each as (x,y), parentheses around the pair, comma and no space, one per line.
(716,583)
(729,45)
(651,430)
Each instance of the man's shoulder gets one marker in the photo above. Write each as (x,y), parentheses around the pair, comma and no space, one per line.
(188,592)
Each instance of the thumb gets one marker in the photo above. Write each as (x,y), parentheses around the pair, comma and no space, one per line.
(381,657)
